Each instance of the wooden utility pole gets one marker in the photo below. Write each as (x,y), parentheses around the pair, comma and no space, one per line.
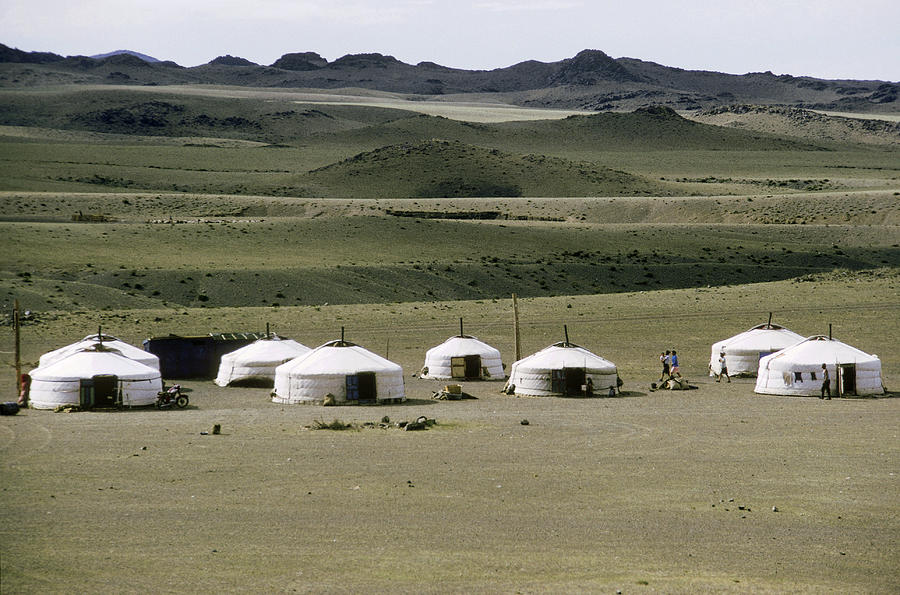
(18,349)
(516,337)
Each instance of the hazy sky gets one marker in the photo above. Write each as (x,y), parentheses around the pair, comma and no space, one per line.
(857,39)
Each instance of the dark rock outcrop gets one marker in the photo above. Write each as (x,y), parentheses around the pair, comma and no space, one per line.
(301,61)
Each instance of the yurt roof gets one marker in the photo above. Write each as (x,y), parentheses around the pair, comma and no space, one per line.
(763,337)
(338,357)
(818,350)
(268,350)
(126,349)
(94,361)
(461,345)
(565,355)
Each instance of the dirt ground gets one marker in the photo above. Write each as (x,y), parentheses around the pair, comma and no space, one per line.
(713,489)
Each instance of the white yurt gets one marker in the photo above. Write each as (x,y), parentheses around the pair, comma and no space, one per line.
(560,370)
(743,351)
(96,376)
(463,357)
(344,370)
(126,349)
(255,363)
(797,370)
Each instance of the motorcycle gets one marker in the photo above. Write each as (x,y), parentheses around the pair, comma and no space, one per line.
(170,396)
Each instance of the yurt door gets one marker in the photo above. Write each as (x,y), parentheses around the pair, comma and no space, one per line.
(575,378)
(361,387)
(847,379)
(567,381)
(105,390)
(458,367)
(473,366)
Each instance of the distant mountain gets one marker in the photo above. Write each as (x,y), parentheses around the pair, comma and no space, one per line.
(143,57)
(590,80)
(229,60)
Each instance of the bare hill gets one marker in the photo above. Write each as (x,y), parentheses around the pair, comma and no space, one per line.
(802,123)
(453,169)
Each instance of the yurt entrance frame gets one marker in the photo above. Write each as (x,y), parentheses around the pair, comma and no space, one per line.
(568,381)
(846,378)
(101,390)
(361,387)
(467,367)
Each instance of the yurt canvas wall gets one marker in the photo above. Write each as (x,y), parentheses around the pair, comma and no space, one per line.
(463,358)
(797,370)
(561,369)
(126,349)
(94,377)
(744,350)
(344,370)
(256,363)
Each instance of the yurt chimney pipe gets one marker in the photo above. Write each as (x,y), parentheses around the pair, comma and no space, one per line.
(268,336)
(566,331)
(342,334)
(769,324)
(461,327)
(100,335)
(829,331)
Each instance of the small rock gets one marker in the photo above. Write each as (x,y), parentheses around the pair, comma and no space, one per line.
(774,509)
(143,448)
(524,422)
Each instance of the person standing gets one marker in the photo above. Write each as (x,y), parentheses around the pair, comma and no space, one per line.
(723,368)
(24,389)
(664,360)
(673,370)
(826,383)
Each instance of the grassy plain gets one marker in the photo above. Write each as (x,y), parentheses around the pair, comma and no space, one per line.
(205,228)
